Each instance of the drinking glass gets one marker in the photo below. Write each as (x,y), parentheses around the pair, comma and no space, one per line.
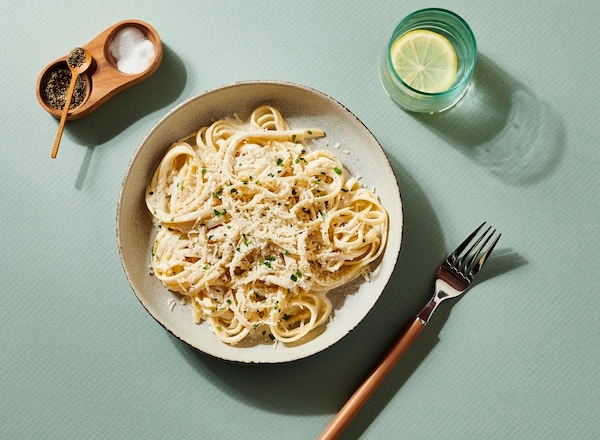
(460,36)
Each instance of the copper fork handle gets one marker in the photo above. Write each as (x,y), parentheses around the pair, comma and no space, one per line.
(362,394)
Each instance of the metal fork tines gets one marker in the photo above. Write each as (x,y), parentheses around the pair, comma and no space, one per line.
(457,272)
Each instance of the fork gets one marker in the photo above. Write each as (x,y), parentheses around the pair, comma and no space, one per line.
(452,279)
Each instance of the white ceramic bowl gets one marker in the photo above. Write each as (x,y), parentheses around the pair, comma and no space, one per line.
(346,136)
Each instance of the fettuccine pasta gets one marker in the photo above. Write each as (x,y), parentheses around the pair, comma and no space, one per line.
(254,230)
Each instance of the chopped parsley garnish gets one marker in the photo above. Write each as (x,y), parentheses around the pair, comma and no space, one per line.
(267,261)
(295,276)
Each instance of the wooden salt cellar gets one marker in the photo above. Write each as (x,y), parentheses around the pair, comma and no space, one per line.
(103,78)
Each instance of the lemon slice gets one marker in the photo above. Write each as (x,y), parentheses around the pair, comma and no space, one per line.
(425,60)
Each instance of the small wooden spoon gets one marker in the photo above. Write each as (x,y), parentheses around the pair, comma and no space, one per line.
(79,61)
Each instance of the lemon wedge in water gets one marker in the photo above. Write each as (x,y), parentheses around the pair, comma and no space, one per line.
(425,60)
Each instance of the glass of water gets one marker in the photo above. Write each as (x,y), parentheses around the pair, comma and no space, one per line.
(429,61)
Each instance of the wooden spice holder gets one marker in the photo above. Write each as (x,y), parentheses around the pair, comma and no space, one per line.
(103,78)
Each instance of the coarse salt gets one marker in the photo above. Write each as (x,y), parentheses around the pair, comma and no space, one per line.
(132,50)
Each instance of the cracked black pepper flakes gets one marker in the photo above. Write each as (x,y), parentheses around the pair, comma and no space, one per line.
(55,87)
(76,57)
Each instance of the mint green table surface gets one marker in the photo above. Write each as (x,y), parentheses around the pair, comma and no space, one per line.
(516,358)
